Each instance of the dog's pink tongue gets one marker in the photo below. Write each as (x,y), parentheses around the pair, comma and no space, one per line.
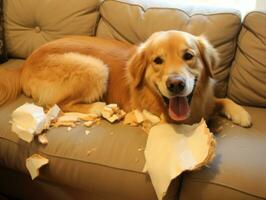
(178,108)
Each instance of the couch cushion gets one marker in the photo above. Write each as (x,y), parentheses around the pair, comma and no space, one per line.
(31,23)
(115,167)
(248,76)
(112,171)
(134,21)
(238,170)
(19,186)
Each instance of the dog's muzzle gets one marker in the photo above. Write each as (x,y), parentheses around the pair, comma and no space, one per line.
(178,106)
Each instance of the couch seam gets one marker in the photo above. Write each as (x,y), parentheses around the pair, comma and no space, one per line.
(77,160)
(223,185)
(50,181)
(97,9)
(177,9)
(233,65)
(253,12)
(118,32)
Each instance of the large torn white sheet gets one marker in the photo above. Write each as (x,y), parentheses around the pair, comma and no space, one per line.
(172,149)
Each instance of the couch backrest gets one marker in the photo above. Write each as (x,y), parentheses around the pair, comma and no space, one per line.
(31,23)
(134,21)
(247,84)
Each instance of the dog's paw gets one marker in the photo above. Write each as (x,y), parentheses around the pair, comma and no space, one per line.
(237,114)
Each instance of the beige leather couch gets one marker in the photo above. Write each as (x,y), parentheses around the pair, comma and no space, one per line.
(114,170)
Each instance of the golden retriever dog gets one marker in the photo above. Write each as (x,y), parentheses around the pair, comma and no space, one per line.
(169,75)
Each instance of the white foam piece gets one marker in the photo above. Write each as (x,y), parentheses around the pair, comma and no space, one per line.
(30,119)
(24,134)
(51,115)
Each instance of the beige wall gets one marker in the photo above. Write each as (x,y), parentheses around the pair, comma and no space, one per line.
(261,5)
(243,5)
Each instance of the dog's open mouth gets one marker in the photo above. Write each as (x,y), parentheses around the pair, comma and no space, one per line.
(178,106)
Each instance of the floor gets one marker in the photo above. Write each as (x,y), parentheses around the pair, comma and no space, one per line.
(4,197)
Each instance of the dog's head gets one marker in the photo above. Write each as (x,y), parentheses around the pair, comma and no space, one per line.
(170,63)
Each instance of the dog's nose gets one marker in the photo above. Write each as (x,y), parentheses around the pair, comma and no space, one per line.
(175,84)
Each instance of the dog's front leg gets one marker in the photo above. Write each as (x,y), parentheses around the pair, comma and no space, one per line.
(233,111)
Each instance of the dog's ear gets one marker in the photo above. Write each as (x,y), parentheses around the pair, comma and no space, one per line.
(137,65)
(209,55)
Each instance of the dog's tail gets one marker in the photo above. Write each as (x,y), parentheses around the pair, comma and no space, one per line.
(10,86)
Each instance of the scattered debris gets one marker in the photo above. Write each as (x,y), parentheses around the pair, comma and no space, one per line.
(134,118)
(90,117)
(30,120)
(89,152)
(37,120)
(222,136)
(75,114)
(89,123)
(151,117)
(97,108)
(147,125)
(82,116)
(34,163)
(51,115)
(112,133)
(112,113)
(67,118)
(140,149)
(43,139)
(71,119)
(138,116)
(145,119)
(75,117)
(68,124)
(113,106)
(219,129)
(87,132)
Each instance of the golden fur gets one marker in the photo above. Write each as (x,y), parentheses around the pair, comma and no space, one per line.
(77,70)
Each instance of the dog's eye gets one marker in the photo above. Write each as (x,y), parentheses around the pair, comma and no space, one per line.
(188,56)
(158,60)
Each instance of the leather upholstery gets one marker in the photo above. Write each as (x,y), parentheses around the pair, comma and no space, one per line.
(238,169)
(114,170)
(248,75)
(31,23)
